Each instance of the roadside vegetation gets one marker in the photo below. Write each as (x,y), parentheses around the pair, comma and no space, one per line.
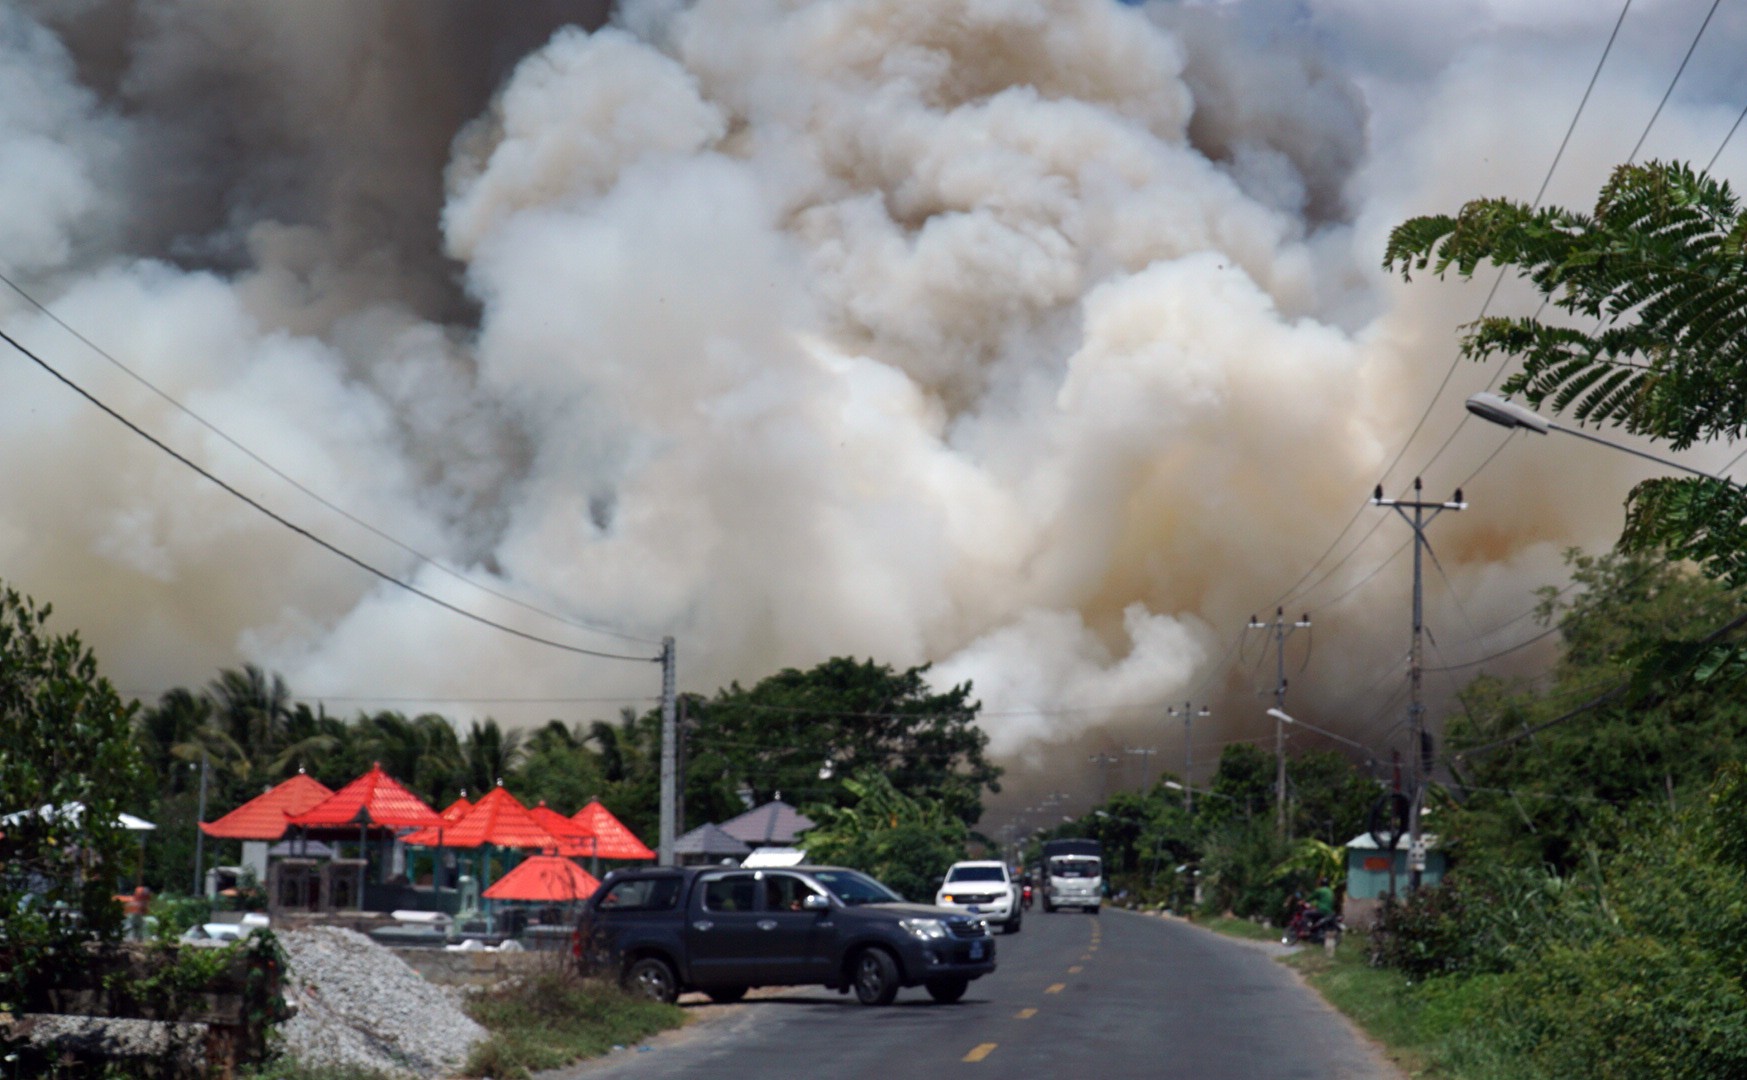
(554,1018)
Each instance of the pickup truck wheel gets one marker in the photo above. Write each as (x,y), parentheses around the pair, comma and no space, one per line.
(652,978)
(1013,925)
(876,977)
(948,990)
(725,995)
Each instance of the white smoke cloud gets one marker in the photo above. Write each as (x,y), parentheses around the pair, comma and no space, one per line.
(1042,340)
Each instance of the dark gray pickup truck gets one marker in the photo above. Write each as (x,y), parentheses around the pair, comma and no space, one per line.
(724,930)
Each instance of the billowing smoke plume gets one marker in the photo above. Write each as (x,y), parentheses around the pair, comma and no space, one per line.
(1042,340)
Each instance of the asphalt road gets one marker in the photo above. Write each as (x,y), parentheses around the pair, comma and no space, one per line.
(1117,995)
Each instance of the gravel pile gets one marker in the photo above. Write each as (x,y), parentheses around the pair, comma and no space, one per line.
(360,1005)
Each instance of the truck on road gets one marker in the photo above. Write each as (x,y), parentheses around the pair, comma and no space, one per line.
(724,930)
(1073,874)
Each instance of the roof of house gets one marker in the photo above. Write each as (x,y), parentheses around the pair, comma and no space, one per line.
(499,819)
(1363,842)
(612,839)
(776,822)
(266,816)
(374,798)
(709,840)
(544,877)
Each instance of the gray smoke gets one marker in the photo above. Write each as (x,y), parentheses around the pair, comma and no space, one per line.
(1041,340)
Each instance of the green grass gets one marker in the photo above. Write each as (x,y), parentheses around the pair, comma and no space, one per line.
(554,1018)
(1429,1030)
(1243,928)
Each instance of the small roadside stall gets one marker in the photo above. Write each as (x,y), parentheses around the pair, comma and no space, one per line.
(1373,872)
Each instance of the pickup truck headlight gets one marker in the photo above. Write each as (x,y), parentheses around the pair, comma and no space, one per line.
(926,929)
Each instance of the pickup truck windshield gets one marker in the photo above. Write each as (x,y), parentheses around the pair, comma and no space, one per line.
(853,888)
(976,873)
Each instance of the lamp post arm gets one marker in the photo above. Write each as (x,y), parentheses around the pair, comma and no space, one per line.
(1635,452)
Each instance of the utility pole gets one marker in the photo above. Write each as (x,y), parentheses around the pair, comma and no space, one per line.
(1145,753)
(1282,630)
(199,833)
(669,753)
(1188,714)
(1422,742)
(1103,761)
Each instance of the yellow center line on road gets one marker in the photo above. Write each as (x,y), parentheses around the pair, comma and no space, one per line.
(1075,970)
(1025,1014)
(1056,988)
(1085,958)
(981,1051)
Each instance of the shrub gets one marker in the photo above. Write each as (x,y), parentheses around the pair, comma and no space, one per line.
(1485,917)
(1630,1007)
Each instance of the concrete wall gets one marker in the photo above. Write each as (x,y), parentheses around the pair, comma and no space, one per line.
(465,968)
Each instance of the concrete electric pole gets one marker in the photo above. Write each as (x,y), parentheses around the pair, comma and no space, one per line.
(1188,714)
(1103,761)
(1145,753)
(1422,742)
(1282,630)
(669,754)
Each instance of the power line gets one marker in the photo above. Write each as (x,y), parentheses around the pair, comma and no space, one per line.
(1518,647)
(1690,49)
(303,532)
(257,459)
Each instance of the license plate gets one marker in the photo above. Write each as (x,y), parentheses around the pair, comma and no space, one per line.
(976,950)
(972,908)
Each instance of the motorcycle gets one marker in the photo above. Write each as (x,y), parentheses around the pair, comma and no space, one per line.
(1310,925)
(1025,897)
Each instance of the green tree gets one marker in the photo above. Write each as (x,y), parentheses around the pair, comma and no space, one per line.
(802,733)
(1657,269)
(489,754)
(559,768)
(1544,769)
(66,741)
(905,841)
(1330,798)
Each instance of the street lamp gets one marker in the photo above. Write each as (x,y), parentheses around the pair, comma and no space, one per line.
(1280,715)
(1509,414)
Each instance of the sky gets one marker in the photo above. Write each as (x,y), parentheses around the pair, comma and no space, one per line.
(1044,342)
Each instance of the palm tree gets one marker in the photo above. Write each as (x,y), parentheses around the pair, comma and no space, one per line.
(253,712)
(490,754)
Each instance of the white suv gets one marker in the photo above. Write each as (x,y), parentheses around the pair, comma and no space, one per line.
(982,888)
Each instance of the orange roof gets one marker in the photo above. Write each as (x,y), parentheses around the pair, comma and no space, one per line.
(456,810)
(613,840)
(576,839)
(264,817)
(544,877)
(498,819)
(373,799)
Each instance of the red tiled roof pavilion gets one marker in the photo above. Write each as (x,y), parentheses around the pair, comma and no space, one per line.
(544,877)
(577,840)
(372,799)
(499,819)
(612,838)
(266,816)
(456,810)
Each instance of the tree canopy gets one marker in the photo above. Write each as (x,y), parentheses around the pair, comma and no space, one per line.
(68,766)
(1656,272)
(802,733)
